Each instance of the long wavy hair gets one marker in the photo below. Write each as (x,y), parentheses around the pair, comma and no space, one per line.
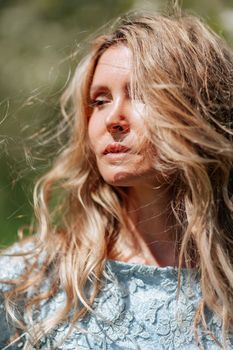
(183,72)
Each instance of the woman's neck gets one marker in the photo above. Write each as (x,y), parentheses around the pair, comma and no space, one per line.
(153,224)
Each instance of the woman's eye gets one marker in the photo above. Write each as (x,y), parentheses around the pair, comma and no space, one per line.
(99,102)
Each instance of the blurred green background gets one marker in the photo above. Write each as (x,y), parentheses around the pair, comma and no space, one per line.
(37,39)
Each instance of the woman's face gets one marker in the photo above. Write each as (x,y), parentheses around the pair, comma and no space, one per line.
(116,124)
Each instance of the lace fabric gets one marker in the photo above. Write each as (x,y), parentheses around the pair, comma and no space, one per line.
(138,308)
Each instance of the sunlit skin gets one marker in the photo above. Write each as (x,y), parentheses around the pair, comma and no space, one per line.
(117,119)
(117,122)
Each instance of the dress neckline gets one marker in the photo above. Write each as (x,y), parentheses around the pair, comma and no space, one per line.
(148,269)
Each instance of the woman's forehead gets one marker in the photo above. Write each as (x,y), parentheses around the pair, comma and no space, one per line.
(113,68)
(118,56)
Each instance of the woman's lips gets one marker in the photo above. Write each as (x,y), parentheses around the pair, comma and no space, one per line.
(115,153)
(115,148)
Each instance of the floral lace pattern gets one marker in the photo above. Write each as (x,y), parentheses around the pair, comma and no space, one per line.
(137,309)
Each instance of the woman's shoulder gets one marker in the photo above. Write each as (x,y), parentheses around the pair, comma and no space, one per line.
(14,259)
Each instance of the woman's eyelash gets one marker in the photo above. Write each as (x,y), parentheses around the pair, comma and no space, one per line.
(99,101)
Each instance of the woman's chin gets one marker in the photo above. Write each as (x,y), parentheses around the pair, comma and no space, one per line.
(121,178)
(125,175)
(127,179)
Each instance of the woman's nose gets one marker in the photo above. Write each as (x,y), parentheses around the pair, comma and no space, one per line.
(117,121)
(118,127)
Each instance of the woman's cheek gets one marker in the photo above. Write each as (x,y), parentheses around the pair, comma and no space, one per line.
(92,131)
(139,108)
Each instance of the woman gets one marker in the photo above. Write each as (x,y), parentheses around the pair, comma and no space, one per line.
(137,253)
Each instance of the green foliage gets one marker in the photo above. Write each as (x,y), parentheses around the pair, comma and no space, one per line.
(36,37)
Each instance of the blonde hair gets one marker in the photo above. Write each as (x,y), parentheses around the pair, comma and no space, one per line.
(183,72)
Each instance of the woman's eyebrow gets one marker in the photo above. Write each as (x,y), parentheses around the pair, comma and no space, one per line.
(103,88)
(96,88)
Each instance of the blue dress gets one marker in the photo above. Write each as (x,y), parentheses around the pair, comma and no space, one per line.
(137,309)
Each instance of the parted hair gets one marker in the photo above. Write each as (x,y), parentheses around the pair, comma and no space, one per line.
(183,73)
